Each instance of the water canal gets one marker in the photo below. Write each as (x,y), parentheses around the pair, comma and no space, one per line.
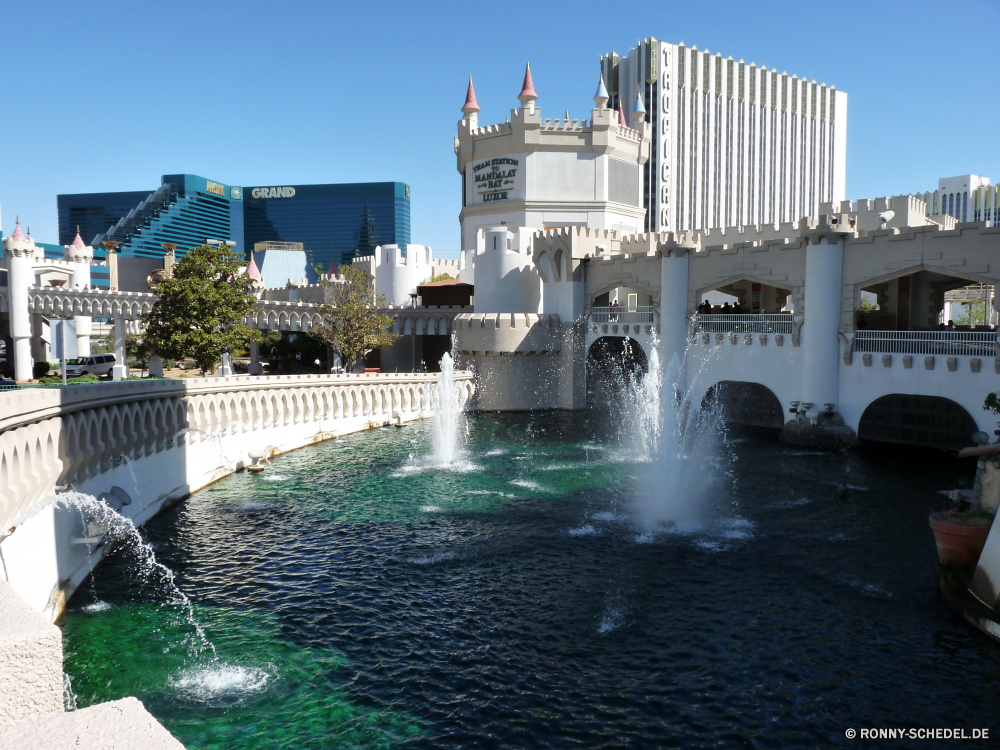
(357,596)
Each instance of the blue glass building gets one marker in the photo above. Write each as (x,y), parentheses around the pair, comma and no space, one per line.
(333,222)
(186,209)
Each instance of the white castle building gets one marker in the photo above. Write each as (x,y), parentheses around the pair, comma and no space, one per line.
(732,144)
(803,355)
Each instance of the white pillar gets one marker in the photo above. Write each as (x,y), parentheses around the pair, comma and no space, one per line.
(255,366)
(225,366)
(80,256)
(120,370)
(820,345)
(673,307)
(155,366)
(20,276)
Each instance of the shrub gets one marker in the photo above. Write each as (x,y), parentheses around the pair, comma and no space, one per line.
(40,370)
(169,364)
(241,368)
(57,379)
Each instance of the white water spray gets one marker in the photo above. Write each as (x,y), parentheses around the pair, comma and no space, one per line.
(446,416)
(681,479)
(97,514)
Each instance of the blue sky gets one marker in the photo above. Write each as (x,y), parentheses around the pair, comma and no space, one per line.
(110,96)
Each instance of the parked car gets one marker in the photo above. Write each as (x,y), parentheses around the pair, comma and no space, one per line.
(99,365)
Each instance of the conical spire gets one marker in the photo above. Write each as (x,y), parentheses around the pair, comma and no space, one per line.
(470,100)
(18,234)
(252,271)
(601,97)
(332,270)
(528,87)
(78,243)
(621,116)
(638,105)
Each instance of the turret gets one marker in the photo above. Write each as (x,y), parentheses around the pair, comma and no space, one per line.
(471,109)
(20,251)
(601,97)
(80,255)
(528,95)
(638,113)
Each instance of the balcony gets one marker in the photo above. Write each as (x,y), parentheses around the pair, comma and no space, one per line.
(743,323)
(949,343)
(644,315)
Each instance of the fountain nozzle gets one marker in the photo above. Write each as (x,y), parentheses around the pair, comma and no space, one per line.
(95,535)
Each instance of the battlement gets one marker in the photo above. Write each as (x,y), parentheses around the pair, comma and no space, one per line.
(511,333)
(566,125)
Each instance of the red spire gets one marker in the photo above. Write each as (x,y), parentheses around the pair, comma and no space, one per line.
(252,271)
(527,88)
(470,100)
(18,234)
(332,270)
(621,116)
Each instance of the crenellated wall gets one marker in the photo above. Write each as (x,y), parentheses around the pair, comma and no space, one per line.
(159,441)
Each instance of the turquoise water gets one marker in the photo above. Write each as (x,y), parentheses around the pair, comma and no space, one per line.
(353,596)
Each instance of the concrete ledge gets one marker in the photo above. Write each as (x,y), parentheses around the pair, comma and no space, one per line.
(31,677)
(122,725)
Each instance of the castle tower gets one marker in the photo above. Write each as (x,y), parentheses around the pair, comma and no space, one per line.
(527,96)
(396,276)
(80,255)
(20,253)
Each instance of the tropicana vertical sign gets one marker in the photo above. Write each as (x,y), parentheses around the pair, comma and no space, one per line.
(494,178)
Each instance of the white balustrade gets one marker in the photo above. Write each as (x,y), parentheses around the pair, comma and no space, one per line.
(642,314)
(953,343)
(744,323)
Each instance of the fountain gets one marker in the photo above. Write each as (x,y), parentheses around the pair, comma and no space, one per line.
(446,416)
(681,440)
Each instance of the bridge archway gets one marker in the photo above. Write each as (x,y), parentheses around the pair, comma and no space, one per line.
(612,362)
(925,421)
(747,403)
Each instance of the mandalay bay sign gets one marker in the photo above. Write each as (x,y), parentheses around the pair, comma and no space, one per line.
(494,178)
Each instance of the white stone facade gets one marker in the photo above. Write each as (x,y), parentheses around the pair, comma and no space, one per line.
(733,143)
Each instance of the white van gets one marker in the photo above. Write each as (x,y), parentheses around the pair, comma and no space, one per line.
(99,365)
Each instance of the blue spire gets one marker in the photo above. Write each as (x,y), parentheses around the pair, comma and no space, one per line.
(638,105)
(602,90)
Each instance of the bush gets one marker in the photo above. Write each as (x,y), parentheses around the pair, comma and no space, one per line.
(57,379)
(241,368)
(169,364)
(40,370)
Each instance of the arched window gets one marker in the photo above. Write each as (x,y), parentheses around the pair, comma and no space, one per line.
(951,204)
(965,205)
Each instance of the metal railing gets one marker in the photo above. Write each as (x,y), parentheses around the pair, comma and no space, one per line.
(743,323)
(642,314)
(968,343)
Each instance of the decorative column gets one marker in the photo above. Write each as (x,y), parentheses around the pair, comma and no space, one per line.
(818,422)
(81,256)
(20,252)
(820,345)
(120,370)
(674,309)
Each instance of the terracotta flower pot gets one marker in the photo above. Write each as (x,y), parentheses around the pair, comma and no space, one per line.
(957,543)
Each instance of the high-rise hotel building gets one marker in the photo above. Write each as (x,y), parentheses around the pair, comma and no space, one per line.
(733,144)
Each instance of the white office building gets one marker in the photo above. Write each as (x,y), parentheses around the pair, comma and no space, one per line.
(733,143)
(967,197)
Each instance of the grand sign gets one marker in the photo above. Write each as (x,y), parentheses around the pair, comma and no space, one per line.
(273,192)
(494,178)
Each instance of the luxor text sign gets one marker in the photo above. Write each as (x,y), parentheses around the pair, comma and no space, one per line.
(496,179)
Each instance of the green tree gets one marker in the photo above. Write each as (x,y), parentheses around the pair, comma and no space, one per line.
(866,305)
(438,277)
(201,310)
(352,325)
(974,313)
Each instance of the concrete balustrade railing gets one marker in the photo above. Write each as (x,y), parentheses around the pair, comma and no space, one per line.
(160,440)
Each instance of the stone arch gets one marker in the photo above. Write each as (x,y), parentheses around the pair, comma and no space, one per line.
(742,402)
(926,421)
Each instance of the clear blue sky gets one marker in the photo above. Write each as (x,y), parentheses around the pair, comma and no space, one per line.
(110,96)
